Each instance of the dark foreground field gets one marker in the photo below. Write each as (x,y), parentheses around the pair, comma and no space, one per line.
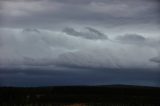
(112,95)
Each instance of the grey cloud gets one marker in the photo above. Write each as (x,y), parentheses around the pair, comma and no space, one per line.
(104,1)
(49,38)
(36,77)
(45,48)
(89,34)
(121,57)
(131,38)
(71,31)
(139,40)
(1,43)
(44,13)
(98,33)
(32,30)
(36,62)
(31,77)
(36,51)
(19,44)
(155,59)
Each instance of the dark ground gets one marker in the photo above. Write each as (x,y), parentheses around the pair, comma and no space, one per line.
(120,95)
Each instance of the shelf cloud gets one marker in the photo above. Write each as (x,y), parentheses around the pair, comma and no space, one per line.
(55,39)
(36,47)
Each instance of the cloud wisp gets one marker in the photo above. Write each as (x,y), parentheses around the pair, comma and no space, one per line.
(91,33)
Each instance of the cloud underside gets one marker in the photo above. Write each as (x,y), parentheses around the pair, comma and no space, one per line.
(36,77)
(56,13)
(79,33)
(68,42)
(41,48)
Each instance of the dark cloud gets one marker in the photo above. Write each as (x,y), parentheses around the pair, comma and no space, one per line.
(103,1)
(55,13)
(98,33)
(31,37)
(137,39)
(89,34)
(155,59)
(36,77)
(131,38)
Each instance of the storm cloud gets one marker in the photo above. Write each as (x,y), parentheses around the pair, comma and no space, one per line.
(36,47)
(54,14)
(53,39)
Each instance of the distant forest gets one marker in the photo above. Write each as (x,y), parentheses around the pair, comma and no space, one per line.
(131,95)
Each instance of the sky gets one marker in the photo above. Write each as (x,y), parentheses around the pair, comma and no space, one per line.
(79,42)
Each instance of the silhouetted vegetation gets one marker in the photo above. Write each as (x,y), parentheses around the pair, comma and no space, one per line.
(86,95)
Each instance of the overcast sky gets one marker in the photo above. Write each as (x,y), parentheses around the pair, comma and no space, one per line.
(72,42)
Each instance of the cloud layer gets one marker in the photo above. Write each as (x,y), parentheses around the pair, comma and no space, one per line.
(57,13)
(113,40)
(36,47)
